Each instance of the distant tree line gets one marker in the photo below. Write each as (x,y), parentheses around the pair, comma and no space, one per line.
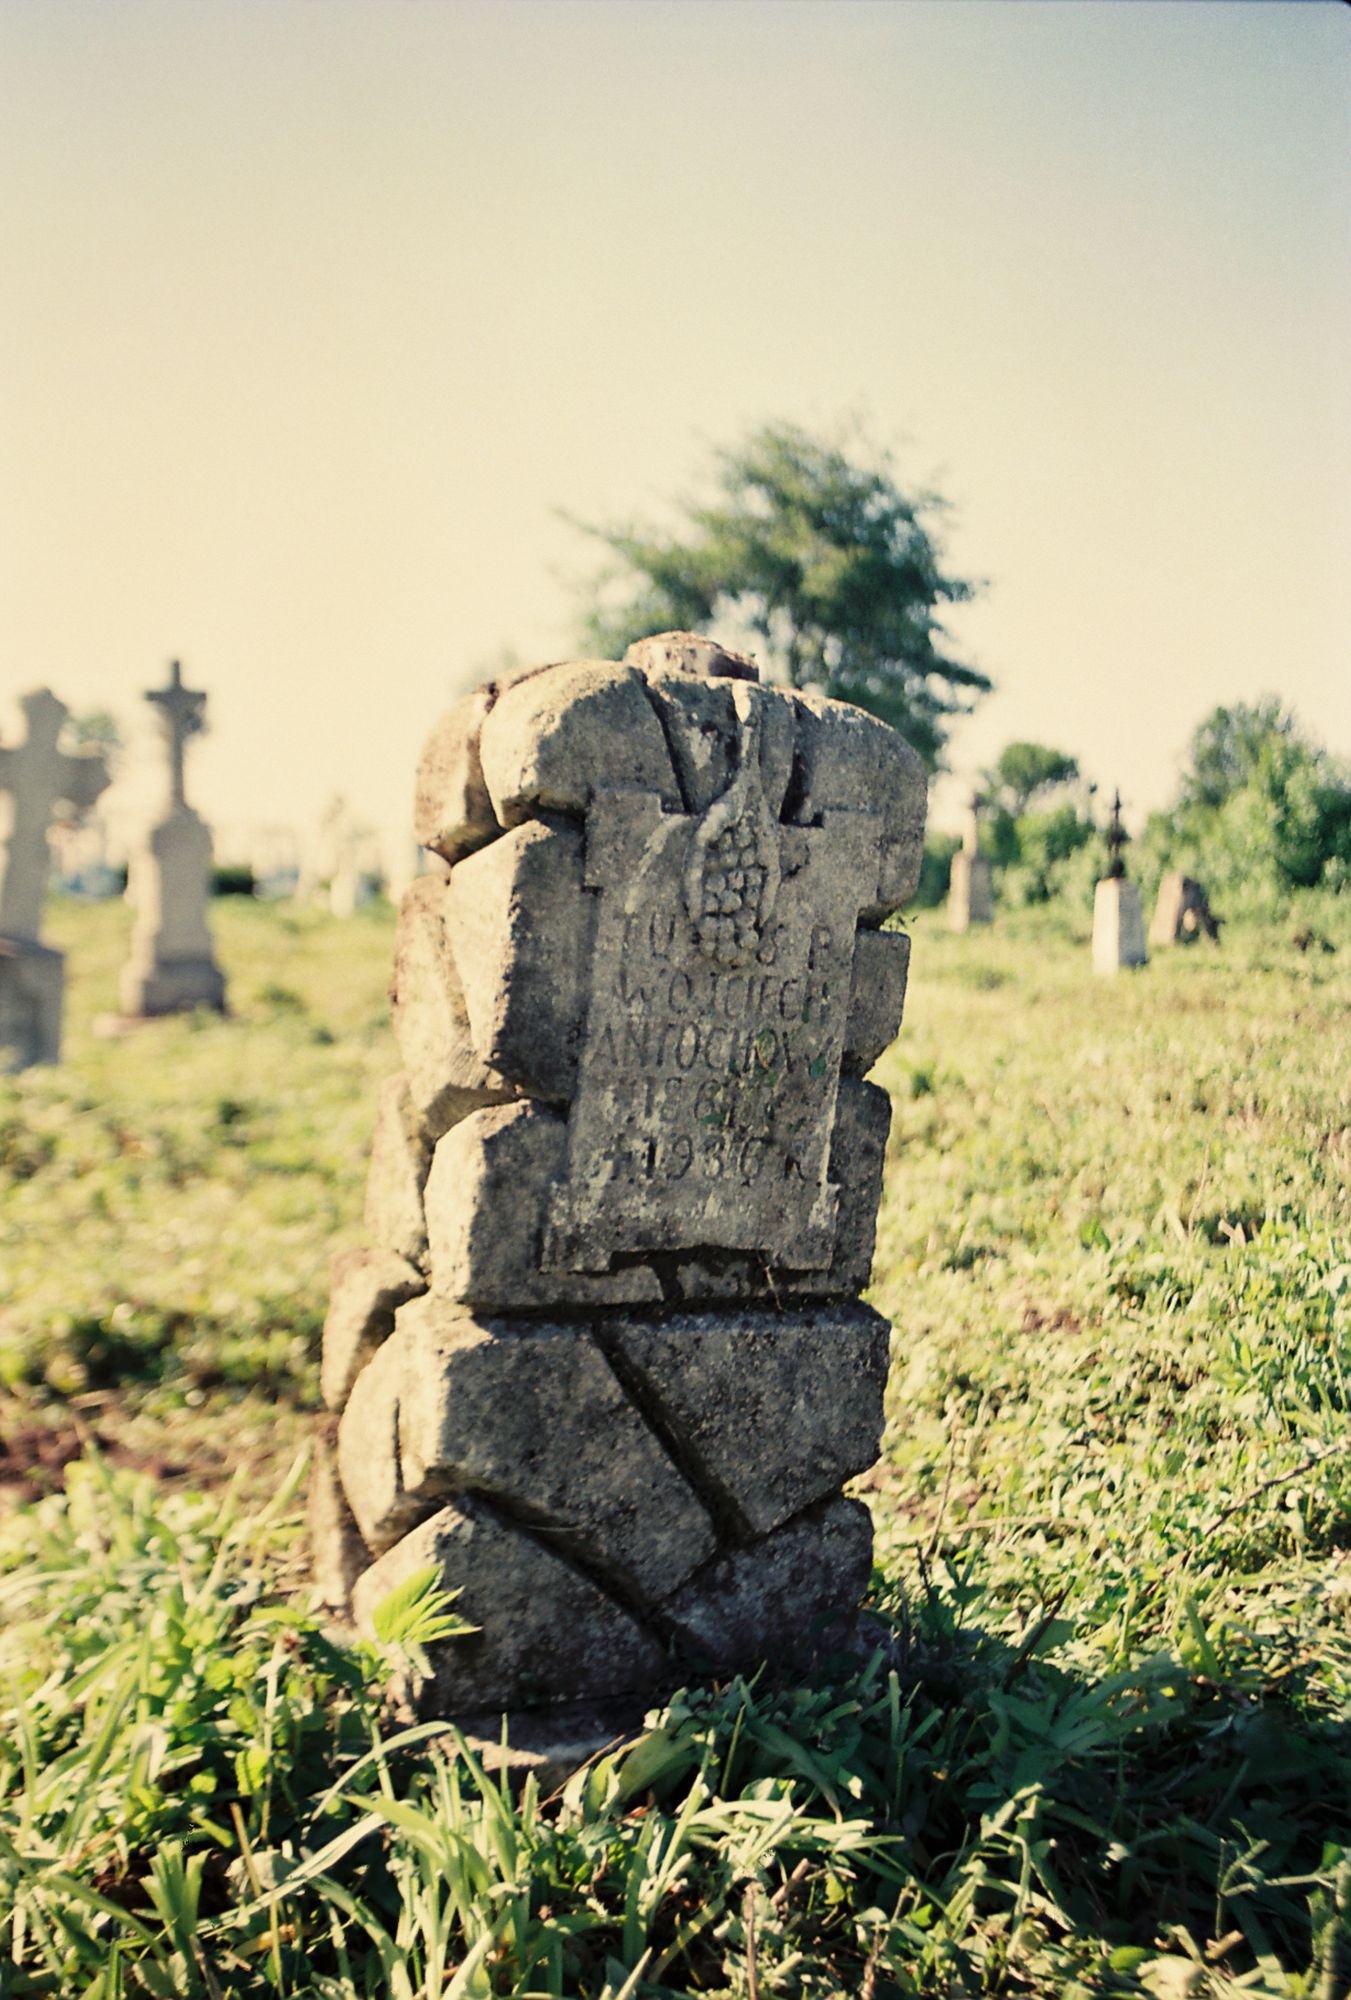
(1262,810)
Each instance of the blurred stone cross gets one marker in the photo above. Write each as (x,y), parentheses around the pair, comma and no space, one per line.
(182,712)
(35,776)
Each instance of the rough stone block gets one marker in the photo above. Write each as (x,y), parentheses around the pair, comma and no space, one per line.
(704,734)
(549,741)
(781,1599)
(545,1629)
(447,1079)
(857,1155)
(486,1202)
(401,1153)
(688,653)
(768,1411)
(522,925)
(368,1288)
(533,1418)
(368,1455)
(850,759)
(876,997)
(337,1553)
(452,813)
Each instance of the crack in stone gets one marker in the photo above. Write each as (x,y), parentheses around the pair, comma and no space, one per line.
(558,1543)
(658,707)
(730,1524)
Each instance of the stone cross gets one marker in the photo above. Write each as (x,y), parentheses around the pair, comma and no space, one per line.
(602,1362)
(182,714)
(1117,837)
(34,776)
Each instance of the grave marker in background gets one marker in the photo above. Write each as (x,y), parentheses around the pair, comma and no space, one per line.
(602,1362)
(1118,917)
(1182,912)
(35,776)
(172,965)
(970,893)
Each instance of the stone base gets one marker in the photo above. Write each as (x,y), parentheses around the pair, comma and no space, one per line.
(1118,925)
(618,1505)
(970,894)
(32,985)
(173,986)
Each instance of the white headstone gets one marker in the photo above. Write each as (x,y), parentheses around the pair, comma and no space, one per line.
(172,965)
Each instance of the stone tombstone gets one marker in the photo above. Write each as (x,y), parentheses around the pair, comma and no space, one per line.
(970,891)
(1182,912)
(601,1361)
(35,777)
(1118,915)
(172,967)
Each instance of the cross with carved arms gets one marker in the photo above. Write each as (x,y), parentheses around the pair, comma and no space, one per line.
(34,776)
(182,712)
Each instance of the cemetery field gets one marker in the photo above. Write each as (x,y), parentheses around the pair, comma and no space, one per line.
(1108,1750)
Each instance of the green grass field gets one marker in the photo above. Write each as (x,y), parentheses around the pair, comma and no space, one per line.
(1111,1750)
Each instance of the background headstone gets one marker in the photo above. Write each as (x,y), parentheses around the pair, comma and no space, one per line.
(602,1362)
(172,965)
(1181,912)
(970,890)
(1118,915)
(36,776)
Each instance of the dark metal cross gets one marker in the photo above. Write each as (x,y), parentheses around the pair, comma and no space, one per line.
(1117,837)
(182,714)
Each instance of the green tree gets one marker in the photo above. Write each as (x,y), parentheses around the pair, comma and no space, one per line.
(1022,771)
(815,552)
(1262,808)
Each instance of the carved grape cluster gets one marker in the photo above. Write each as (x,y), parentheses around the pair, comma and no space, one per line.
(732,893)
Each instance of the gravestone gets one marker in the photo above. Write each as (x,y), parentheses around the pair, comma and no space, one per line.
(1182,912)
(1118,916)
(35,777)
(172,965)
(601,1362)
(970,894)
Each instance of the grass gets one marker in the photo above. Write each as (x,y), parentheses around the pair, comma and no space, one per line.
(1108,1750)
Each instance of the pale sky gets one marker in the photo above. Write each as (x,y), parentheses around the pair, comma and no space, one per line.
(313,313)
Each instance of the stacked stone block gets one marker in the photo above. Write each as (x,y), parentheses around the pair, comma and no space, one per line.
(602,1362)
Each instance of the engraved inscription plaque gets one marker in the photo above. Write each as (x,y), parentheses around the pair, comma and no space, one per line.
(710,1066)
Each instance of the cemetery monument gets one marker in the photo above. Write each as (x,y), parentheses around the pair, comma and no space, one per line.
(35,777)
(970,895)
(601,1362)
(1118,918)
(1182,912)
(172,965)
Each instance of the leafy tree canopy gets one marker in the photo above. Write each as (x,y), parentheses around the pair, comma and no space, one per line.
(1229,746)
(817,554)
(1022,771)
(1262,808)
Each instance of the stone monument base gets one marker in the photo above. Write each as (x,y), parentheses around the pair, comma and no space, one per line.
(32,985)
(172,986)
(970,894)
(1118,925)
